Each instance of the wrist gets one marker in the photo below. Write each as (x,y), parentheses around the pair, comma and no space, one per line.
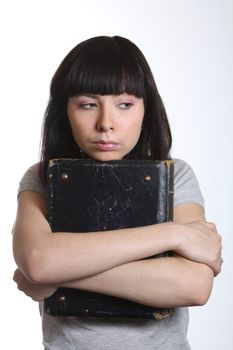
(174,236)
(165,236)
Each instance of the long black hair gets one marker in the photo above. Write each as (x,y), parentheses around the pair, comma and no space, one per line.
(106,66)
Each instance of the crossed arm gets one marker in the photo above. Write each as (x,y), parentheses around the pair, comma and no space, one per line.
(112,262)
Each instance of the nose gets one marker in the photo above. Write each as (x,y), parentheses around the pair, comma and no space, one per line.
(105,120)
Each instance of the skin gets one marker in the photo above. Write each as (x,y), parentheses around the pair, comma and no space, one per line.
(107,128)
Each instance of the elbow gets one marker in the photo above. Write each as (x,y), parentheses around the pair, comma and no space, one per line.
(202,287)
(201,298)
(36,268)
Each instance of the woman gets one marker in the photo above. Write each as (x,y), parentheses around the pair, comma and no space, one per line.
(104,105)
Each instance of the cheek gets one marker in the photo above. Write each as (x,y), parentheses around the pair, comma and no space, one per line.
(76,123)
(134,133)
(76,130)
(137,126)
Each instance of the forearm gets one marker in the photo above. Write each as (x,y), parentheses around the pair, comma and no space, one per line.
(67,256)
(46,257)
(164,282)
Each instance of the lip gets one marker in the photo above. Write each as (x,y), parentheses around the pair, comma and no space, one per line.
(106,145)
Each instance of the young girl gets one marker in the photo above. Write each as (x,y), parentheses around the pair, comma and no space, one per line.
(104,105)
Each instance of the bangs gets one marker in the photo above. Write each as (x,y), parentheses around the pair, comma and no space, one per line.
(105,69)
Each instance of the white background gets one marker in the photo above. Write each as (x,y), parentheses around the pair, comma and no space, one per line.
(189,46)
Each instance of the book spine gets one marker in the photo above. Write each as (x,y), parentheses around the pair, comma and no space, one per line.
(170,189)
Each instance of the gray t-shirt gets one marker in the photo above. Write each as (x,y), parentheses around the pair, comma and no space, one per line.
(73,333)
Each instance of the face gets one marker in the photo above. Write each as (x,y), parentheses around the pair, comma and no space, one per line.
(106,127)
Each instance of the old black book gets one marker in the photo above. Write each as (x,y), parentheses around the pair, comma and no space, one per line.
(86,195)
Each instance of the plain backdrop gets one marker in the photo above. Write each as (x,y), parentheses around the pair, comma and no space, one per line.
(189,46)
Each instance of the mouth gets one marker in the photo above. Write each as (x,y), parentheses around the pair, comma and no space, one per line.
(106,145)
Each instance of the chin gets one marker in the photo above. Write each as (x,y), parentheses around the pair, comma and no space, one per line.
(106,156)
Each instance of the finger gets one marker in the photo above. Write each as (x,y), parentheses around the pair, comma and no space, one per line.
(218,267)
(16,276)
(217,271)
(212,226)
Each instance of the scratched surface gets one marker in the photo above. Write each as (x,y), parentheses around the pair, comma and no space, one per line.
(105,196)
(85,195)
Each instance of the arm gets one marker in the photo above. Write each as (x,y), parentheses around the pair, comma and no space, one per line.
(152,282)
(46,257)
(165,282)
(159,240)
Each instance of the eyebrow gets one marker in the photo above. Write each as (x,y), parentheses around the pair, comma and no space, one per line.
(88,95)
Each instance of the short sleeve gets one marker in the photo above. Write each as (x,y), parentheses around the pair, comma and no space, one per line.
(31,181)
(186,186)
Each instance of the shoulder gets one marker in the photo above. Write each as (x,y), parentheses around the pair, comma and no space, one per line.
(31,181)
(186,186)
(181,167)
(183,172)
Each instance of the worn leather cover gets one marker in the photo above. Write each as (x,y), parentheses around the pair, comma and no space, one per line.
(85,195)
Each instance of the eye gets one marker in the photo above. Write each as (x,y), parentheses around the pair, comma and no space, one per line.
(125,105)
(88,105)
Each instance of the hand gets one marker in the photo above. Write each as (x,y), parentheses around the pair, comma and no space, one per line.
(35,291)
(199,241)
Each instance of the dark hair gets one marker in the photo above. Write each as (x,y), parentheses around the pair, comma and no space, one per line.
(106,66)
